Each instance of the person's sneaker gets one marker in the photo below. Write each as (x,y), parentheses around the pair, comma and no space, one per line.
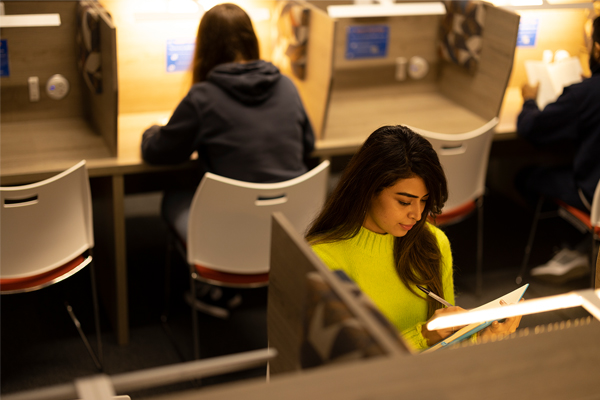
(565,266)
(214,301)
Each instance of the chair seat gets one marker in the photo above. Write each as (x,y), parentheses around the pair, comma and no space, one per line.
(582,216)
(227,278)
(456,214)
(31,283)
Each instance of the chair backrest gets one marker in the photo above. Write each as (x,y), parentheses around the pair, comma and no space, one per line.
(595,211)
(229,227)
(45,224)
(464,157)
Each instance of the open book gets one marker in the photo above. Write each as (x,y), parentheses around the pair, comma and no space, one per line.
(552,77)
(469,330)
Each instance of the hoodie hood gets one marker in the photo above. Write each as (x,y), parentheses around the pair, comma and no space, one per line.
(249,83)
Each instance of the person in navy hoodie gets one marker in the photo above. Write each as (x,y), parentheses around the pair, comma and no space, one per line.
(244,119)
(572,120)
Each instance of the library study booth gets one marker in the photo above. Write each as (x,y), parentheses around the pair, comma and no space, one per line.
(81,80)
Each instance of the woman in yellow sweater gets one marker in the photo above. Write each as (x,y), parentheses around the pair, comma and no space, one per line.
(374,227)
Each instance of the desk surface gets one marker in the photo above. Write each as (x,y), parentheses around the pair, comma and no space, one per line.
(35,150)
(558,364)
(354,114)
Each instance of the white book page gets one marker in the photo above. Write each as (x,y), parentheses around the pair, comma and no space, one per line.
(552,78)
(538,72)
(565,72)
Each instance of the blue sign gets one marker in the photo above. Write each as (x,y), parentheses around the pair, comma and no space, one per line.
(180,53)
(4,71)
(528,28)
(368,41)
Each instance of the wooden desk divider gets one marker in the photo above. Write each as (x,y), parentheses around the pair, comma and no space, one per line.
(291,260)
(347,99)
(102,108)
(43,52)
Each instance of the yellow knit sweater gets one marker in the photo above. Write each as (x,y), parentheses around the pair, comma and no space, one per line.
(368,259)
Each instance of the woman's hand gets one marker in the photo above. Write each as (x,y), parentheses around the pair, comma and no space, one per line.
(507,327)
(435,336)
(529,92)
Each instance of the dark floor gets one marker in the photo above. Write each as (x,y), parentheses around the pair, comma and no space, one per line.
(40,346)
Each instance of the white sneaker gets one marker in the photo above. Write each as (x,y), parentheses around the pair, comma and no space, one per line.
(566,265)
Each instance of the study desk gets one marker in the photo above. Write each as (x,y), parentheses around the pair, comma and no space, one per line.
(34,150)
(561,363)
(359,112)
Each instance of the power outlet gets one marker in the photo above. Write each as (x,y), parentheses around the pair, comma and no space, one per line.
(57,87)
(33,83)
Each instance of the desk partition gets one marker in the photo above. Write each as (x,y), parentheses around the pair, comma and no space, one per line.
(349,92)
(87,113)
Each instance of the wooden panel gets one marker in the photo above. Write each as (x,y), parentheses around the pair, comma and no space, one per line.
(557,29)
(110,251)
(408,36)
(144,83)
(557,364)
(41,52)
(36,146)
(314,89)
(354,113)
(35,150)
(287,293)
(483,92)
(103,107)
(291,260)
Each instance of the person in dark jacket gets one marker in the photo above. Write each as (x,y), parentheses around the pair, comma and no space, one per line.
(244,119)
(573,119)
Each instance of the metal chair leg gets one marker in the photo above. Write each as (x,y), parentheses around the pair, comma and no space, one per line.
(536,217)
(96,312)
(195,330)
(97,359)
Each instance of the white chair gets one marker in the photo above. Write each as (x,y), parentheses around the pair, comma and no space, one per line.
(584,222)
(229,227)
(464,157)
(47,236)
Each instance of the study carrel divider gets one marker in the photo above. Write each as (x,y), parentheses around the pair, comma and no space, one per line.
(83,124)
(347,99)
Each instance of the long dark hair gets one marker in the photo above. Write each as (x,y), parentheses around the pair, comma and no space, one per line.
(389,154)
(225,34)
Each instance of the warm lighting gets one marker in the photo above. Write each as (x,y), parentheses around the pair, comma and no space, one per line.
(385,10)
(589,299)
(517,3)
(183,7)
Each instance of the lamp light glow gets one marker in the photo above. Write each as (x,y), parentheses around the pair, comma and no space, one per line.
(526,307)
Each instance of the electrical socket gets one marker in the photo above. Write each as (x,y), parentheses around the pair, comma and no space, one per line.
(33,84)
(57,87)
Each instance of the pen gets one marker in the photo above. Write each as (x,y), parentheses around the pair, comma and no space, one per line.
(434,296)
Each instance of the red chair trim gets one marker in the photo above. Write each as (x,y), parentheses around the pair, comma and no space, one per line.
(577,213)
(30,283)
(457,212)
(225,277)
